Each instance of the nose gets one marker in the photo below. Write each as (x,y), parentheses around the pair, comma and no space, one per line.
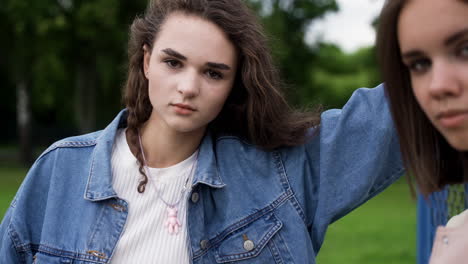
(444,82)
(189,84)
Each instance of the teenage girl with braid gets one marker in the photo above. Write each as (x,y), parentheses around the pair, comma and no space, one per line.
(207,163)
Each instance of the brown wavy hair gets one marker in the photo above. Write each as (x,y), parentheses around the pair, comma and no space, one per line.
(256,110)
(426,153)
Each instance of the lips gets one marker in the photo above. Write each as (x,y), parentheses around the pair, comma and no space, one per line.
(183,109)
(185,106)
(453,118)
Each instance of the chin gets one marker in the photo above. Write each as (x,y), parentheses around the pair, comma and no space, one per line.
(459,143)
(184,128)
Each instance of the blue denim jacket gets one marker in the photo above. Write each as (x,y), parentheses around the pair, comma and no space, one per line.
(66,210)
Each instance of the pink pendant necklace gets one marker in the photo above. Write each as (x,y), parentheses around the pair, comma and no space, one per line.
(172,222)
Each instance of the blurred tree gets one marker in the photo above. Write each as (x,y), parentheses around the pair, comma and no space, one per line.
(20,20)
(94,48)
(66,60)
(287,21)
(321,73)
(340,74)
(64,57)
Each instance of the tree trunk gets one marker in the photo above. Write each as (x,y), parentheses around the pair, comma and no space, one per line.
(23,116)
(85,97)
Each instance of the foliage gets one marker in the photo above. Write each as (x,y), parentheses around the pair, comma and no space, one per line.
(339,74)
(73,55)
(286,22)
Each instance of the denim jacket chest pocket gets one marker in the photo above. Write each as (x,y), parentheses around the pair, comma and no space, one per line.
(254,242)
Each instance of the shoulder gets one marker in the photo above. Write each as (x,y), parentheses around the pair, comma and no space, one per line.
(68,154)
(230,147)
(230,139)
(226,142)
(65,163)
(103,137)
(81,141)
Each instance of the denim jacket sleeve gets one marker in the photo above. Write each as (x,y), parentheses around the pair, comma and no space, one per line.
(354,155)
(8,253)
(26,209)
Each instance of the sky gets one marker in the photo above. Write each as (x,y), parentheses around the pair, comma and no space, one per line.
(350,27)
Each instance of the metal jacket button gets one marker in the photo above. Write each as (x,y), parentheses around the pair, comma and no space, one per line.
(117,207)
(249,245)
(195,197)
(96,254)
(204,244)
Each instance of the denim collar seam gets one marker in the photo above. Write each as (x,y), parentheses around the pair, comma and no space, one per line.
(103,138)
(284,180)
(68,144)
(91,195)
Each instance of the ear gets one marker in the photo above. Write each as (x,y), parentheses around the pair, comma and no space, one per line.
(146,59)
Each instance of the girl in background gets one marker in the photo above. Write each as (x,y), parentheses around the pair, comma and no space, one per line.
(423,52)
(208,163)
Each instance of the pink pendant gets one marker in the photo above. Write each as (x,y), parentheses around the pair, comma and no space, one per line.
(172,222)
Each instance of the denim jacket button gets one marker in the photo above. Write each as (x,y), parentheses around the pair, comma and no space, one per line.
(249,245)
(195,197)
(96,254)
(118,207)
(204,244)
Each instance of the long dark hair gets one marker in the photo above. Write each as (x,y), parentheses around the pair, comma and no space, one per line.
(256,109)
(426,153)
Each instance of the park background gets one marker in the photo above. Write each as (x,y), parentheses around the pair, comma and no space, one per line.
(63,64)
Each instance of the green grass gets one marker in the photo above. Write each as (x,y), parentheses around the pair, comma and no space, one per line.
(10,180)
(381,231)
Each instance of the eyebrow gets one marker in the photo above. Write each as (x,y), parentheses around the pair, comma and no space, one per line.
(411,54)
(450,40)
(456,36)
(220,66)
(174,53)
(178,55)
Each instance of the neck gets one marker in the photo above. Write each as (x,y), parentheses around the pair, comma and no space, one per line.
(165,147)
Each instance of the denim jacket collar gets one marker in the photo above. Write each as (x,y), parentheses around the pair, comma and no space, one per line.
(99,186)
(207,169)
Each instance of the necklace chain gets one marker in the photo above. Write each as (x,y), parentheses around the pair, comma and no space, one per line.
(184,189)
(172,222)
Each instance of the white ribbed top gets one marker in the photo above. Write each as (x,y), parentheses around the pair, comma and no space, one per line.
(145,239)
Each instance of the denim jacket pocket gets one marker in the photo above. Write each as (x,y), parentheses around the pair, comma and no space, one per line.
(249,241)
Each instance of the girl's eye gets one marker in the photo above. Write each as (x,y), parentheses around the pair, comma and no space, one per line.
(419,65)
(173,63)
(464,51)
(214,75)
